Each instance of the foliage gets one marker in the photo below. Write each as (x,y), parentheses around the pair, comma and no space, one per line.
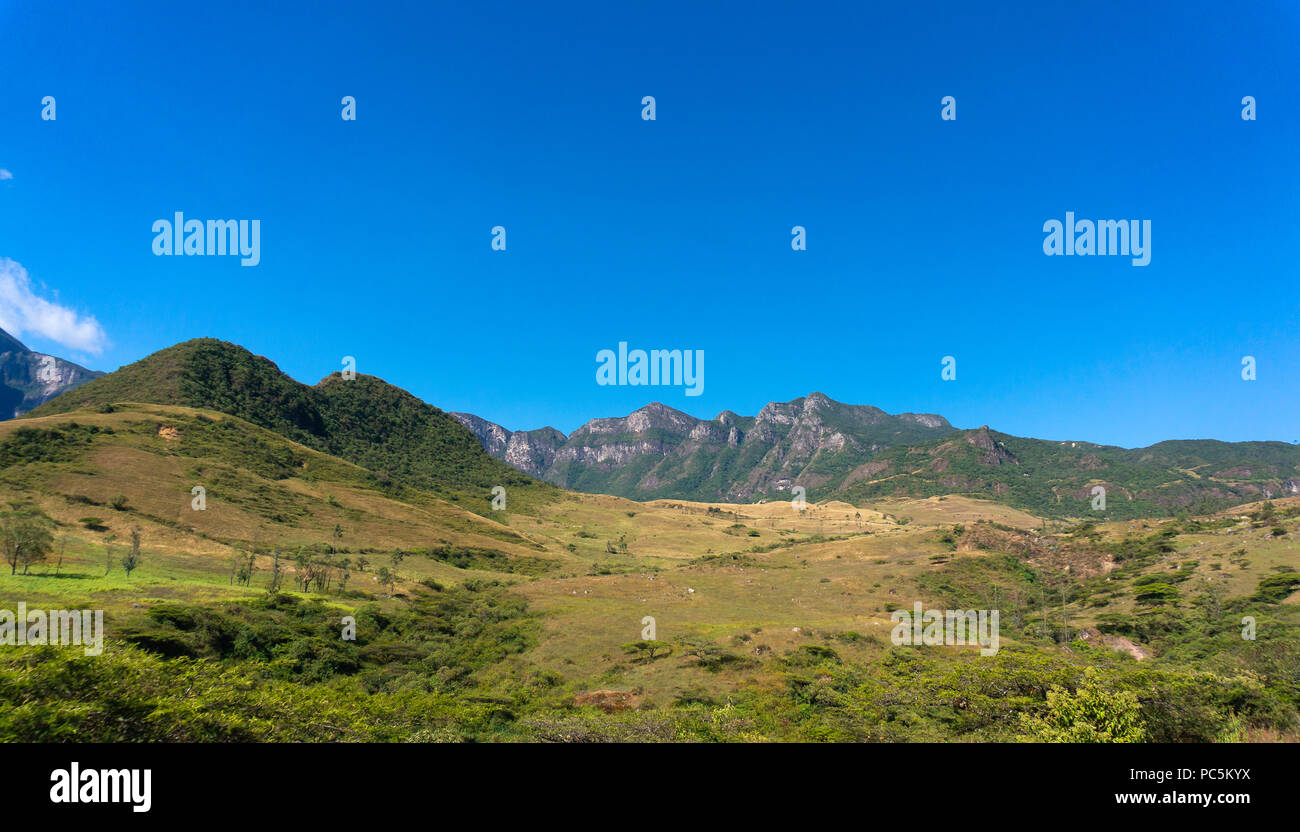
(1091,713)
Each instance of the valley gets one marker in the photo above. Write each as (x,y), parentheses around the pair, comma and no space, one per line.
(766,622)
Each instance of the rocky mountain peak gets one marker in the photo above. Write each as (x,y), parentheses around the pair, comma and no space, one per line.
(727,418)
(995,453)
(30,379)
(929,420)
(728,457)
(494,438)
(8,343)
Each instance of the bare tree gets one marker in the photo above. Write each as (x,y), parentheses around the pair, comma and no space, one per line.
(277,574)
(108,553)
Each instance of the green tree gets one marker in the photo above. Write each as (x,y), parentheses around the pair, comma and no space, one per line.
(386,578)
(1092,713)
(236,558)
(647,650)
(131,559)
(24,539)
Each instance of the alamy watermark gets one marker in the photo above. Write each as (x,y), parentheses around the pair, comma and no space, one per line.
(1124,237)
(82,628)
(215,237)
(74,784)
(654,367)
(952,628)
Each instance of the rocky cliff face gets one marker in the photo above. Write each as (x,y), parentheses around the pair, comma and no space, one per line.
(30,379)
(531,451)
(656,451)
(859,453)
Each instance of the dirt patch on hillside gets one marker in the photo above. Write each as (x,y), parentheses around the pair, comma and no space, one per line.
(1060,555)
(986,536)
(609,701)
(1095,636)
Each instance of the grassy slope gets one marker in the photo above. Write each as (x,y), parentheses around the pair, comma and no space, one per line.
(363,420)
(263,491)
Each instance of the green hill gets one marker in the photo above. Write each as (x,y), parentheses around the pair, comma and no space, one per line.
(362,420)
(1057,478)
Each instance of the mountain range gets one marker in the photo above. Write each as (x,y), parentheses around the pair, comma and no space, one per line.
(832,450)
(657,451)
(858,452)
(30,379)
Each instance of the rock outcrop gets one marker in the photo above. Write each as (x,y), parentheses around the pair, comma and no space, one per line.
(660,451)
(30,379)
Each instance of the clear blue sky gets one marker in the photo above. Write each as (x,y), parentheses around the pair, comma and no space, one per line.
(924,236)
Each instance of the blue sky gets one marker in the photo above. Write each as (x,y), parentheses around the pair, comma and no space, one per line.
(924,236)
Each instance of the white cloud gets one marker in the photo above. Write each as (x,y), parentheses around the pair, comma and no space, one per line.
(21,311)
(4,174)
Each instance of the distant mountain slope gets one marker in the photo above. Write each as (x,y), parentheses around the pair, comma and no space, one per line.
(29,379)
(1057,478)
(859,453)
(657,451)
(531,451)
(362,420)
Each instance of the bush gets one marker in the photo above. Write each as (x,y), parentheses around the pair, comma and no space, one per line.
(1092,713)
(1274,589)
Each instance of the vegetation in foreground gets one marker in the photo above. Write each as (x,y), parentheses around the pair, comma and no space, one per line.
(458,664)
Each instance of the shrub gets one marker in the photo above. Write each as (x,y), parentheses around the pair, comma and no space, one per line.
(1092,713)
